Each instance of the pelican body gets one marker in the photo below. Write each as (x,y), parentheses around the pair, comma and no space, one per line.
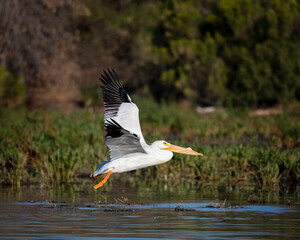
(128,149)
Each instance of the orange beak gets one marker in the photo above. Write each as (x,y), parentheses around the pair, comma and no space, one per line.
(178,149)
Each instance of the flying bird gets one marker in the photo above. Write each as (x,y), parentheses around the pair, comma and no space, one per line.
(128,148)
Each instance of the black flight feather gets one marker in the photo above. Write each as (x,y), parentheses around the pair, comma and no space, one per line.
(121,141)
(113,93)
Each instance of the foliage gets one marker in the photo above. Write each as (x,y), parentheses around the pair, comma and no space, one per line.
(238,53)
(184,62)
(55,147)
(91,95)
(12,89)
(234,53)
(261,50)
(48,147)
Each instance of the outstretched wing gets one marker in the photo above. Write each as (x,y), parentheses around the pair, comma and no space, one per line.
(120,141)
(121,118)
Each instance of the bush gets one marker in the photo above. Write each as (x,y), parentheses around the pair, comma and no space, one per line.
(241,52)
(12,89)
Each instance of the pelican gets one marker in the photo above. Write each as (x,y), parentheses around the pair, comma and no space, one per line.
(124,138)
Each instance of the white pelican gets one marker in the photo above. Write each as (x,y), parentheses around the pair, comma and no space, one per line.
(128,149)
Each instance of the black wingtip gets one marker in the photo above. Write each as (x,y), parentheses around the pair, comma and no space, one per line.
(109,76)
(112,122)
(113,92)
(113,129)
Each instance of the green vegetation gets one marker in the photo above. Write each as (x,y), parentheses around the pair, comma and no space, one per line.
(38,147)
(237,53)
(243,53)
(55,147)
(12,89)
(240,54)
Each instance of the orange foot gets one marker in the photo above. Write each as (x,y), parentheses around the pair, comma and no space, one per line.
(100,184)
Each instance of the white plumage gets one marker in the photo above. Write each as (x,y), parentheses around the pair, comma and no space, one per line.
(128,149)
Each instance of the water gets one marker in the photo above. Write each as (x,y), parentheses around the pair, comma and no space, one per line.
(126,213)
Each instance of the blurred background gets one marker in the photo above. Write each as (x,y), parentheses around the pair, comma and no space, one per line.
(241,58)
(231,53)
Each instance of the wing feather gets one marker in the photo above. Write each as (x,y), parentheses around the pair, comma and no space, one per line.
(120,141)
(121,118)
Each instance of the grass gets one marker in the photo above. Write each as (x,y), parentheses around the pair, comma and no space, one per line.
(43,147)
(47,147)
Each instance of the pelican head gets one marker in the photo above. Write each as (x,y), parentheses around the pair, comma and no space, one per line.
(163,145)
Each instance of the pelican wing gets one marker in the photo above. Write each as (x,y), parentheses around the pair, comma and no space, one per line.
(114,95)
(121,116)
(120,141)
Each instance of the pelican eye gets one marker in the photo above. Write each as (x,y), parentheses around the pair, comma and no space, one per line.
(165,143)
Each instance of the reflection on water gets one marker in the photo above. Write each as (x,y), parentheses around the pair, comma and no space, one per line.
(80,212)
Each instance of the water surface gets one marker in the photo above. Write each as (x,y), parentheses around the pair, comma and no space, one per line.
(126,213)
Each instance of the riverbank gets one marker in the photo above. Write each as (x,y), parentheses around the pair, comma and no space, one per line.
(52,146)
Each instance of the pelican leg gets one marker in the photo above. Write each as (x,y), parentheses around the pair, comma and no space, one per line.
(100,184)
